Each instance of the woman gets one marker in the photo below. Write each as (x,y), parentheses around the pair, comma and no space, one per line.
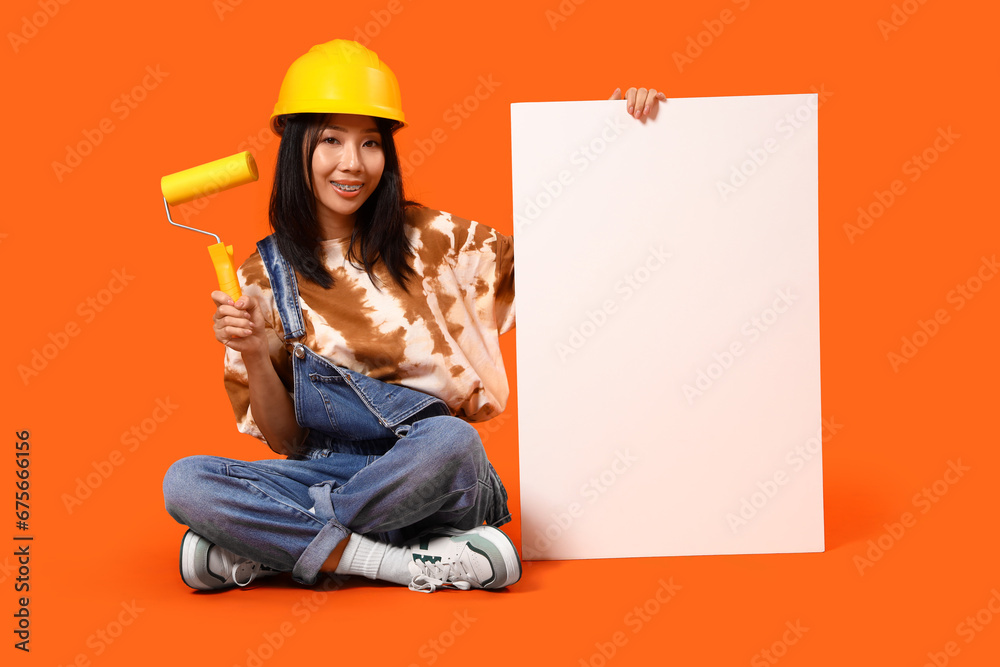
(365,341)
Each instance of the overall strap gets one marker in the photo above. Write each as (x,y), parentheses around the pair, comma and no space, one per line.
(284,286)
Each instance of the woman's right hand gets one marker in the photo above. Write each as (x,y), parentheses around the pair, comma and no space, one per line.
(239,326)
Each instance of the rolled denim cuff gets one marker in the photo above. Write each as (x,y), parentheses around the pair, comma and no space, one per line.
(307,567)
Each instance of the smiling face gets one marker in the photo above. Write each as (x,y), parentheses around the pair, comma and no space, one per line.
(347,166)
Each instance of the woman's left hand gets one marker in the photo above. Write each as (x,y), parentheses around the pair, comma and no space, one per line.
(641,101)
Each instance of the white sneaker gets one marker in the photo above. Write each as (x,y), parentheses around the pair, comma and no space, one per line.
(483,557)
(207,566)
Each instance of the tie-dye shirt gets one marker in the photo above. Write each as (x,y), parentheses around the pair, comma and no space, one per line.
(442,338)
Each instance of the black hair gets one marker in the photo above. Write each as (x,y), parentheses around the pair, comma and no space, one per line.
(378,234)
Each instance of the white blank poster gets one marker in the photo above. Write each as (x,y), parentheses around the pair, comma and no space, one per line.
(668,327)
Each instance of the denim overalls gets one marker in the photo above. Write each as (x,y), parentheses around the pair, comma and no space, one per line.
(381,459)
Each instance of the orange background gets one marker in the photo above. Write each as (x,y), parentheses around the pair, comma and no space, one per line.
(63,236)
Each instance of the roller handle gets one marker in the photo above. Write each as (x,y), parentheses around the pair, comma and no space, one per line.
(225,270)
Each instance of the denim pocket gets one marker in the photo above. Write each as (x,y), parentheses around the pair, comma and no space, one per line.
(325,420)
(329,404)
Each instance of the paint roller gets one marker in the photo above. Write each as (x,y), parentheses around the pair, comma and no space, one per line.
(204,180)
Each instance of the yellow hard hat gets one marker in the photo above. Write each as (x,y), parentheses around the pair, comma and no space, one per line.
(339,76)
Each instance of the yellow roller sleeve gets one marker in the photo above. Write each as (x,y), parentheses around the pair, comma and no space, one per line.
(209,178)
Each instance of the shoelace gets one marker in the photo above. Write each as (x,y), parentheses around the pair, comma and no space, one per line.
(240,566)
(442,575)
